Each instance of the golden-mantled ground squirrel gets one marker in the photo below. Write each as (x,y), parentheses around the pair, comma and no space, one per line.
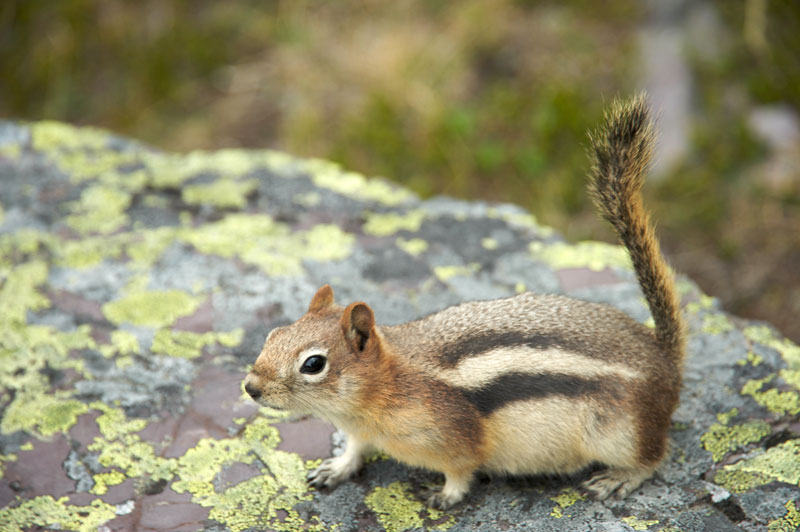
(524,385)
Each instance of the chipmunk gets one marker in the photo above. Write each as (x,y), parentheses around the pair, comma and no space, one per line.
(529,384)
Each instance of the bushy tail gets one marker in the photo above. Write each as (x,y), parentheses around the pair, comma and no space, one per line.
(621,151)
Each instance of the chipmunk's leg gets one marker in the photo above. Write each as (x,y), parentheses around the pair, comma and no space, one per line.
(616,481)
(339,468)
(456,485)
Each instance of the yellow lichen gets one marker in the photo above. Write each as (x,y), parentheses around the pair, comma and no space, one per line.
(764,335)
(780,463)
(716,324)
(703,303)
(27,350)
(307,199)
(18,293)
(489,243)
(639,524)
(254,502)
(120,447)
(221,193)
(103,480)
(565,499)
(398,510)
(752,359)
(444,273)
(50,135)
(774,400)
(45,511)
(151,308)
(389,223)
(88,252)
(150,244)
(789,522)
(185,344)
(326,174)
(720,439)
(122,343)
(725,417)
(101,209)
(272,246)
(593,255)
(412,246)
(41,414)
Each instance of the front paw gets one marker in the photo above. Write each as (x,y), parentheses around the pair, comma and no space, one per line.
(329,474)
(436,498)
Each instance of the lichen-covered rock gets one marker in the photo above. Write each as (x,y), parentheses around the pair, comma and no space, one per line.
(136,287)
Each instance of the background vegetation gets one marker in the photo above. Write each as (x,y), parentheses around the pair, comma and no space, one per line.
(476,99)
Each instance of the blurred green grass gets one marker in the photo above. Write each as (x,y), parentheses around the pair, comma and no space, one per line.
(473,99)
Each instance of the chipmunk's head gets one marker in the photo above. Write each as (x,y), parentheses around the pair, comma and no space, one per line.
(316,365)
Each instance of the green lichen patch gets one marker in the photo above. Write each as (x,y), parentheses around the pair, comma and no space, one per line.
(255,502)
(47,512)
(272,246)
(721,439)
(791,377)
(704,302)
(146,247)
(412,246)
(789,522)
(82,154)
(780,463)
(725,417)
(122,343)
(398,510)
(101,209)
(380,224)
(752,359)
(185,344)
(120,448)
(716,323)
(224,193)
(50,136)
(565,499)
(774,400)
(489,243)
(766,336)
(171,171)
(103,480)
(41,414)
(18,292)
(151,308)
(639,524)
(26,351)
(88,252)
(596,256)
(328,175)
(445,273)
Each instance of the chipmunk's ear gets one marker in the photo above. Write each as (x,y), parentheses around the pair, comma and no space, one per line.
(322,299)
(358,326)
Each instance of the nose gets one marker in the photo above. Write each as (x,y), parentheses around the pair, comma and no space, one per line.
(252,391)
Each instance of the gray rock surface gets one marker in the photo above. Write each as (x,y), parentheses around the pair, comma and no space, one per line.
(136,287)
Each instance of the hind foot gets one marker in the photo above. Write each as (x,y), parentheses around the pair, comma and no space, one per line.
(617,482)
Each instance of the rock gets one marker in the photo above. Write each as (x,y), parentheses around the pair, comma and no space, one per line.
(136,286)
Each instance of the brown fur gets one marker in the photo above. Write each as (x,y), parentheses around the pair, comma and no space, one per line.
(527,384)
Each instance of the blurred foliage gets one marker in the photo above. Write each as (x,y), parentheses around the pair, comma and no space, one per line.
(475,99)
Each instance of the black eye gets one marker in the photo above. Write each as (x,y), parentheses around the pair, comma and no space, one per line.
(313,364)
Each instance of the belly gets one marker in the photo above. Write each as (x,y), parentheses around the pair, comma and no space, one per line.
(556,435)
